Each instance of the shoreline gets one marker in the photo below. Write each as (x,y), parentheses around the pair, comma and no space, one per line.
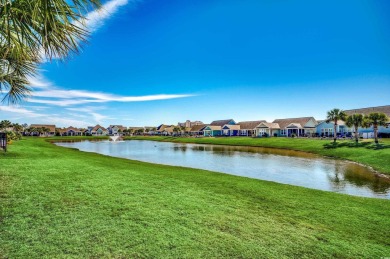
(163,139)
(187,140)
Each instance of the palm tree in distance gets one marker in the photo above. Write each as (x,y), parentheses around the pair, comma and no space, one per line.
(375,120)
(33,31)
(356,121)
(4,124)
(335,115)
(17,127)
(46,131)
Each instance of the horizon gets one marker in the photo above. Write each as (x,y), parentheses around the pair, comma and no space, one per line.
(149,62)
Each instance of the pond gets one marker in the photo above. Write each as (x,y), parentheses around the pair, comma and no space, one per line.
(278,165)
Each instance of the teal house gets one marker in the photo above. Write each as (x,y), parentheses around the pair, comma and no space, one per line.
(215,127)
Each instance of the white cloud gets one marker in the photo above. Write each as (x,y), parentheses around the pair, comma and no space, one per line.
(77,97)
(38,82)
(98,117)
(19,110)
(95,19)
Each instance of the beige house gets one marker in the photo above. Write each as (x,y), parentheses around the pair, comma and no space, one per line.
(268,129)
(248,128)
(297,126)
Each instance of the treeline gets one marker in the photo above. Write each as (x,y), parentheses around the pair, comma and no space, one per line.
(14,131)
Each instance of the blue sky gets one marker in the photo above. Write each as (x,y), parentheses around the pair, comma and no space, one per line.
(150,62)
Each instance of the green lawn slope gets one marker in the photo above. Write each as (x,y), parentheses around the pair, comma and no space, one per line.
(62,203)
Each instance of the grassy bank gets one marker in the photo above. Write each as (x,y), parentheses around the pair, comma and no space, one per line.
(366,152)
(58,202)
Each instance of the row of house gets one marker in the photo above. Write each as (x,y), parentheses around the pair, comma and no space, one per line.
(304,126)
(97,130)
(280,127)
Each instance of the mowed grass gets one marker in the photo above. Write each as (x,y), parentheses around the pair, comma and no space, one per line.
(365,152)
(62,203)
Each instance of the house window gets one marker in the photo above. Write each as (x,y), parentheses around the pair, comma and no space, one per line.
(283,132)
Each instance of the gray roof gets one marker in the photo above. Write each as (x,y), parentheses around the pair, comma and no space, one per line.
(220,122)
(270,125)
(365,111)
(283,123)
(249,125)
(197,128)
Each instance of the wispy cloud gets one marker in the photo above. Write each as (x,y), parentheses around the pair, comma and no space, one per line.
(96,19)
(19,110)
(61,97)
(38,82)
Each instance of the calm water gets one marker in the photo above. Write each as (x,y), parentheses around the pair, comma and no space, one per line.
(282,166)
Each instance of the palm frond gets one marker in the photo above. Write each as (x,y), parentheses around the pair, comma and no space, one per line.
(31,30)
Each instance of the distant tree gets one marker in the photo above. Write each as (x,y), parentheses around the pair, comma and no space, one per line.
(182,130)
(45,131)
(375,120)
(356,121)
(335,115)
(176,130)
(131,131)
(31,130)
(17,127)
(4,124)
(39,130)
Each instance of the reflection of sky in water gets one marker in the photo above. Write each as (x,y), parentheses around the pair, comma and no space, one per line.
(278,165)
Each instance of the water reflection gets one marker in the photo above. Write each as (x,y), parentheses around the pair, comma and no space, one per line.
(279,165)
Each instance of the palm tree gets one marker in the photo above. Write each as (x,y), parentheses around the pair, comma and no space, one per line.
(375,120)
(140,131)
(40,131)
(31,31)
(356,121)
(335,115)
(17,127)
(4,124)
(46,131)
(31,130)
(176,130)
(182,130)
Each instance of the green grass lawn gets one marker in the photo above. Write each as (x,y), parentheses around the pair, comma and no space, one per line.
(61,203)
(366,152)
